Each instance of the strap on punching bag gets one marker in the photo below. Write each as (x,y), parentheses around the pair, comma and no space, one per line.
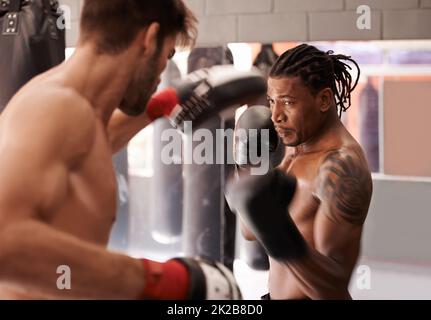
(30,42)
(11,21)
(45,44)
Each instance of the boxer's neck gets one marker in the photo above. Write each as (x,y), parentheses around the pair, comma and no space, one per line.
(322,139)
(98,78)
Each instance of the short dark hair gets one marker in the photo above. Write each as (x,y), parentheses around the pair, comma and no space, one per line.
(318,70)
(115,23)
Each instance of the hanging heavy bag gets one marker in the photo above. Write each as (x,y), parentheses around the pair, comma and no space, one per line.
(208,230)
(252,251)
(31,42)
(264,62)
(369,124)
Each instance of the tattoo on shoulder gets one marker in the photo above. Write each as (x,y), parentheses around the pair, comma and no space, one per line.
(346,187)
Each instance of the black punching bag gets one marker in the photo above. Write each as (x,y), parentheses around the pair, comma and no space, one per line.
(369,124)
(209,230)
(264,62)
(208,57)
(252,251)
(31,42)
(203,219)
(230,221)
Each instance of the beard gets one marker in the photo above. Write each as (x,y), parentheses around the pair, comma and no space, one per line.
(142,86)
(291,143)
(290,140)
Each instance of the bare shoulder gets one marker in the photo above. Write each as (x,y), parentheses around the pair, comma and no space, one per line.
(345,184)
(54,115)
(57,103)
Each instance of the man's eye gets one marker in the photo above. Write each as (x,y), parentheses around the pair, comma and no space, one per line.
(171,54)
(287,102)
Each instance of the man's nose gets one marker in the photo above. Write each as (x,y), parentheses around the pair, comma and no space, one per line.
(277,113)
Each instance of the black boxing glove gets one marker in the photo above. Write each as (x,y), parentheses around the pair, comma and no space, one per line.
(256,137)
(262,203)
(205,92)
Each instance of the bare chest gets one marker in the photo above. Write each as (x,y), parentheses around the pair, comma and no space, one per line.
(305,204)
(89,208)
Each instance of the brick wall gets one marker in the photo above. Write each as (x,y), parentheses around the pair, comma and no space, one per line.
(223,21)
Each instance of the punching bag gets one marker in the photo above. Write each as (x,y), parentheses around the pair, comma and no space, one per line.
(31,42)
(230,221)
(209,229)
(208,57)
(204,203)
(251,251)
(264,62)
(369,124)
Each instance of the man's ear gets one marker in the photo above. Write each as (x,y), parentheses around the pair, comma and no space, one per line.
(148,38)
(326,99)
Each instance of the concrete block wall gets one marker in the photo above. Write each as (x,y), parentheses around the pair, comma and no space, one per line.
(223,21)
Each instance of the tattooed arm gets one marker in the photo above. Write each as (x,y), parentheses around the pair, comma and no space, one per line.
(344,191)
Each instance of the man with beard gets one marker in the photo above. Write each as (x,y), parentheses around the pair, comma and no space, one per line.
(309,213)
(57,137)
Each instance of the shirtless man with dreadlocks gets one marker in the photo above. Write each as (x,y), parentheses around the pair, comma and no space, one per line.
(309,213)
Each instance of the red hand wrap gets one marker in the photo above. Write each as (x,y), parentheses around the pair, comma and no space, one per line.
(165,281)
(162,104)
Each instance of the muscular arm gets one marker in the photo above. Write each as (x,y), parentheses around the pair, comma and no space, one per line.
(40,144)
(122,128)
(344,189)
(31,252)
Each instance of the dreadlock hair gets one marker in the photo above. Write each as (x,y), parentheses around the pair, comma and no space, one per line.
(319,70)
